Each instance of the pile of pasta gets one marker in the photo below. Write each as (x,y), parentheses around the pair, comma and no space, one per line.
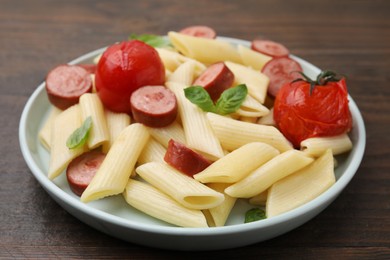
(251,158)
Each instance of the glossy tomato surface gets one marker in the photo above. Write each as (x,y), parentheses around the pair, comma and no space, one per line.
(123,68)
(300,114)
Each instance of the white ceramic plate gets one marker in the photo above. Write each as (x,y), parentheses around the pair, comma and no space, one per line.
(115,217)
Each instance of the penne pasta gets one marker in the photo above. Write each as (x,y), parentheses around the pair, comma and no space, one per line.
(252,108)
(164,134)
(63,126)
(267,119)
(113,174)
(186,73)
(93,83)
(45,132)
(259,199)
(263,177)
(253,59)
(155,203)
(172,60)
(233,133)
(197,129)
(217,216)
(91,105)
(316,146)
(301,187)
(179,186)
(250,158)
(116,122)
(207,51)
(230,168)
(152,152)
(97,58)
(256,82)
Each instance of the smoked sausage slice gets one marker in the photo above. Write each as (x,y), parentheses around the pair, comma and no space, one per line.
(270,48)
(91,68)
(184,159)
(82,169)
(199,31)
(154,106)
(215,79)
(280,70)
(66,83)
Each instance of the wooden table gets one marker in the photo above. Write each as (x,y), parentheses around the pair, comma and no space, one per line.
(351,37)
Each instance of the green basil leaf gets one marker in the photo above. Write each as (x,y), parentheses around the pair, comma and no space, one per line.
(254,214)
(231,99)
(151,39)
(200,97)
(80,135)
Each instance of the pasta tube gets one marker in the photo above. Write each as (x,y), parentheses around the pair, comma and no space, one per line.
(252,108)
(259,199)
(179,186)
(186,73)
(301,187)
(217,216)
(230,168)
(204,50)
(316,146)
(252,58)
(45,132)
(164,134)
(114,172)
(172,60)
(63,126)
(233,134)
(155,203)
(267,119)
(256,81)
(152,152)
(269,173)
(197,129)
(116,122)
(91,105)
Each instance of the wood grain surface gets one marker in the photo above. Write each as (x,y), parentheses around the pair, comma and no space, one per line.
(351,37)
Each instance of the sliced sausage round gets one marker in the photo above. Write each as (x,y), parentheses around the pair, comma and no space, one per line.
(82,169)
(270,48)
(90,67)
(184,159)
(280,70)
(215,79)
(66,83)
(154,106)
(199,31)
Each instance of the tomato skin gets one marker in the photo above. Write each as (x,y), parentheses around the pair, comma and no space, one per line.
(123,68)
(325,112)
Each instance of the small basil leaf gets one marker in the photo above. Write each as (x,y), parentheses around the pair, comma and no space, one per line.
(200,97)
(80,135)
(151,39)
(231,99)
(254,214)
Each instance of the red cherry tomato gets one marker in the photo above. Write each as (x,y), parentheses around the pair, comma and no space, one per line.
(199,31)
(302,111)
(123,68)
(270,48)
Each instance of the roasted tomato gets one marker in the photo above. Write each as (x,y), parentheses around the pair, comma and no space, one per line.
(305,108)
(123,68)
